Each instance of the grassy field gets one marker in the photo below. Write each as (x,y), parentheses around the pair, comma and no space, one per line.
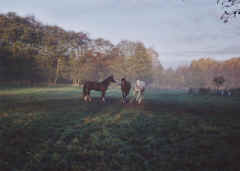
(53,129)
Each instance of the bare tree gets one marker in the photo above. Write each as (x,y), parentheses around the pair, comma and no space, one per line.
(231,9)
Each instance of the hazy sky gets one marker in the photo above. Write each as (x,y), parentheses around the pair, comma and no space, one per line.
(179,31)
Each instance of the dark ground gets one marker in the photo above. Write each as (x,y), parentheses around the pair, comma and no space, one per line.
(53,129)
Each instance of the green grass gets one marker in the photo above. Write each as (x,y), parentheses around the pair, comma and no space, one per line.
(52,128)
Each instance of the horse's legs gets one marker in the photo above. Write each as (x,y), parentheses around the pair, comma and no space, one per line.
(140,99)
(140,96)
(85,97)
(137,95)
(90,99)
(123,97)
(85,92)
(103,96)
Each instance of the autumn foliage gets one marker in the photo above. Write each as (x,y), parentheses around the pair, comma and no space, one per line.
(32,53)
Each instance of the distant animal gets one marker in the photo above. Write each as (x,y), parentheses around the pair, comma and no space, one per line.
(222,92)
(97,86)
(138,91)
(229,93)
(225,92)
(125,88)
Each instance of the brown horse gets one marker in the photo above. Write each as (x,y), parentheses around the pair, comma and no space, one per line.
(125,87)
(97,86)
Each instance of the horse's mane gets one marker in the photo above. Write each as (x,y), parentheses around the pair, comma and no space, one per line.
(106,80)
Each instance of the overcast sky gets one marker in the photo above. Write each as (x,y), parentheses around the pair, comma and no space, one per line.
(179,31)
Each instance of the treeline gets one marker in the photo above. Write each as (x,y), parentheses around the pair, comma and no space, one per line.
(32,53)
(202,73)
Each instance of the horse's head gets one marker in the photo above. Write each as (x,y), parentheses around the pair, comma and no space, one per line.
(140,84)
(111,79)
(123,81)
